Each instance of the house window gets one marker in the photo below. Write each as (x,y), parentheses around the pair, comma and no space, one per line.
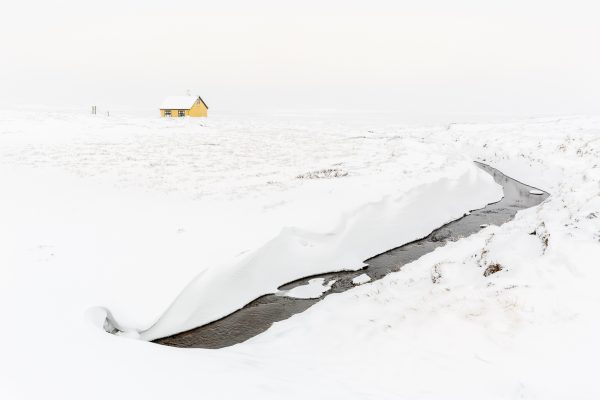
(167,113)
(181,113)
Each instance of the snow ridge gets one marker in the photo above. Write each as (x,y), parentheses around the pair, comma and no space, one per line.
(368,230)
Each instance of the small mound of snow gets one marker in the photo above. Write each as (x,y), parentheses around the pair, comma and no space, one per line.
(535,191)
(359,280)
(99,317)
(102,318)
(312,290)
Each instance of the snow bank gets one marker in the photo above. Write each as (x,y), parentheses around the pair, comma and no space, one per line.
(368,230)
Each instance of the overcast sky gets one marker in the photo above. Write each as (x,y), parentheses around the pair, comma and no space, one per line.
(460,56)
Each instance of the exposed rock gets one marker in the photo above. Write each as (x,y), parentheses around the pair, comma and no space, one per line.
(492,269)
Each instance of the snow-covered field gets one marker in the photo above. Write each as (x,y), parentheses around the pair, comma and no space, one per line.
(173,223)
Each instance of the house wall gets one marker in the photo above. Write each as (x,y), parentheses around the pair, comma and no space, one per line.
(197,110)
(174,113)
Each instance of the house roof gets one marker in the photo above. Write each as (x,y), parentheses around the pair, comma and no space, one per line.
(180,102)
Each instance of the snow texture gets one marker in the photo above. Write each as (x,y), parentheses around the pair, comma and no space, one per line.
(312,290)
(359,280)
(108,222)
(178,102)
(360,232)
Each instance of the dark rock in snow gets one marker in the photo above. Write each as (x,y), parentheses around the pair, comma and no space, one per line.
(492,269)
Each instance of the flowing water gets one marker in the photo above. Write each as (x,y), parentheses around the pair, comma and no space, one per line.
(257,316)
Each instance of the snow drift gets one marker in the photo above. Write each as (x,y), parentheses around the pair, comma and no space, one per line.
(368,230)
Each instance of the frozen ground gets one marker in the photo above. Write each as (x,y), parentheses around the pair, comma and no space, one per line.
(125,212)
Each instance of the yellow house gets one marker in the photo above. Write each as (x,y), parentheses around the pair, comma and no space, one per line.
(184,106)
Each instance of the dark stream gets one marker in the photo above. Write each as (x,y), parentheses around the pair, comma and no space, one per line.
(257,316)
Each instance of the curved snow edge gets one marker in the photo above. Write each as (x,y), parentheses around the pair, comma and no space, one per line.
(370,229)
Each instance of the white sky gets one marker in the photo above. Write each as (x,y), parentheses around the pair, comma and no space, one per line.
(416,57)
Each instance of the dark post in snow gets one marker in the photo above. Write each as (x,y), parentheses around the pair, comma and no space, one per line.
(93,110)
